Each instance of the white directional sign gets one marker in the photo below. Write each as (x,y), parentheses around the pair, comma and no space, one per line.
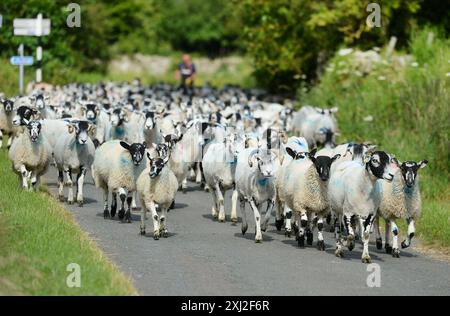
(1,20)
(22,60)
(31,27)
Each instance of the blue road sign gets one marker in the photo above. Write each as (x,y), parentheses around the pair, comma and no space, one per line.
(25,60)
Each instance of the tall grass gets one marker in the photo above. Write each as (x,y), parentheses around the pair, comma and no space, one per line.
(410,107)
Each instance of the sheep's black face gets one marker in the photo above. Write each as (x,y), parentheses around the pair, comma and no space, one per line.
(34,128)
(8,106)
(326,137)
(40,103)
(382,165)
(82,129)
(323,165)
(163,150)
(91,112)
(118,117)
(137,151)
(23,116)
(409,171)
(149,120)
(156,166)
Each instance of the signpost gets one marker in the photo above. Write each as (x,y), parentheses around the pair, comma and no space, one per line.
(21,61)
(34,27)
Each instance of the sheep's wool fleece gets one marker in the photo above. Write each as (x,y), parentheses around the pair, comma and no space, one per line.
(161,190)
(310,193)
(114,167)
(399,201)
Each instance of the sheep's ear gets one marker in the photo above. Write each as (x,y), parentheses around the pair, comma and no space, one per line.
(423,164)
(148,156)
(333,110)
(125,145)
(367,156)
(312,153)
(291,152)
(335,158)
(71,128)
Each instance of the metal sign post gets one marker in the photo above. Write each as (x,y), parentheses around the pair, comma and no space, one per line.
(21,71)
(21,61)
(34,27)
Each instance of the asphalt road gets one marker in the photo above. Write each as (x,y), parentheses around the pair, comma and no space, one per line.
(202,257)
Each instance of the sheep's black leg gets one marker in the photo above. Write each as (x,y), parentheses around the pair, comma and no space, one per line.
(128,213)
(114,204)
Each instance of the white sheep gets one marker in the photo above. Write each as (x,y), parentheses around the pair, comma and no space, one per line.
(317,125)
(400,200)
(30,154)
(116,167)
(156,186)
(354,194)
(74,154)
(219,166)
(255,183)
(299,145)
(6,121)
(305,191)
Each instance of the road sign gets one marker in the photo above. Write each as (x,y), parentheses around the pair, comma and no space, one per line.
(1,20)
(22,60)
(32,27)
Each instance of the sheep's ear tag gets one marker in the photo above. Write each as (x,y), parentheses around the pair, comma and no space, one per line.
(366,158)
(71,128)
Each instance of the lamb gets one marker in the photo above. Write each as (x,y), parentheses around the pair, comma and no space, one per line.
(305,191)
(116,167)
(353,193)
(400,200)
(157,185)
(6,124)
(74,153)
(30,154)
(255,184)
(219,166)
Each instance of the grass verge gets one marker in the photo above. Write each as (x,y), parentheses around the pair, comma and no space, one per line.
(39,238)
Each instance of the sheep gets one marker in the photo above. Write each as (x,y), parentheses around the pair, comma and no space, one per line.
(255,184)
(187,151)
(116,130)
(152,133)
(156,185)
(74,153)
(116,167)
(317,125)
(400,199)
(305,191)
(297,144)
(99,117)
(6,124)
(30,154)
(219,166)
(353,193)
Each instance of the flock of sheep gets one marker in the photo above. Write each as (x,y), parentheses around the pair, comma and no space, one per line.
(147,142)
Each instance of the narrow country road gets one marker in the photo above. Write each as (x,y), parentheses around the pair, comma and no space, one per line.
(204,257)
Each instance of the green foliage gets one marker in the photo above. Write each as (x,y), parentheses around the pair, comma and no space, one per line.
(209,27)
(410,109)
(288,38)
